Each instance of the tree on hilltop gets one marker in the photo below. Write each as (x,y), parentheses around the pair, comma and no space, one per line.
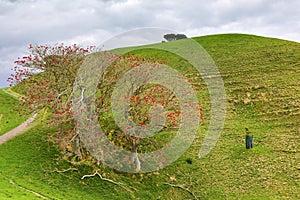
(171,37)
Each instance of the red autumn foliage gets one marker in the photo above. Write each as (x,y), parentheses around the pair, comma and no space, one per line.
(49,73)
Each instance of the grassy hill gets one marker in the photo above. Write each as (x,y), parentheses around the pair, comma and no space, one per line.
(261,77)
(9,117)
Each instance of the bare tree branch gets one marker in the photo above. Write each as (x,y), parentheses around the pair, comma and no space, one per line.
(122,185)
(183,188)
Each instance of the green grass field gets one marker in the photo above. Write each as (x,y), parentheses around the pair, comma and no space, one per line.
(9,117)
(261,77)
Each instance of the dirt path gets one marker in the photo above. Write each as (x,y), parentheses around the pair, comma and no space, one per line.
(18,130)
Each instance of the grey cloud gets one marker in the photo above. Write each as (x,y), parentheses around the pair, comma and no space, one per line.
(85,22)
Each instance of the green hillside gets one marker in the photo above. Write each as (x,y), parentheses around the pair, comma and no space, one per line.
(261,77)
(9,117)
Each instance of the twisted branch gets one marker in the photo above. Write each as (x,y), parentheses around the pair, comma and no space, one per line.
(122,185)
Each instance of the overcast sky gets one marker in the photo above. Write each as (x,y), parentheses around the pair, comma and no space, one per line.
(87,22)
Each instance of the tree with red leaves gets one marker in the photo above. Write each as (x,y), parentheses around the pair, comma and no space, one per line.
(46,78)
(48,75)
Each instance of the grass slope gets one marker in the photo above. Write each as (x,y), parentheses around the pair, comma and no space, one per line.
(9,117)
(261,77)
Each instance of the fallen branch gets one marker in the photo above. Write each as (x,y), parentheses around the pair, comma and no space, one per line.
(122,185)
(183,188)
